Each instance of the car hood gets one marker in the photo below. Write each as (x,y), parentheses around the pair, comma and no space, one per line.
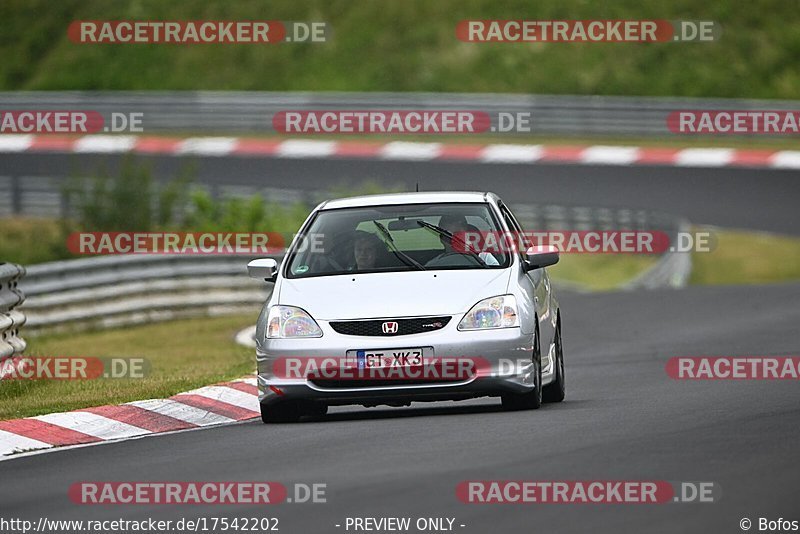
(385,295)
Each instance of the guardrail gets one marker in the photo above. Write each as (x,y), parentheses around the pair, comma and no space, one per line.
(114,291)
(11,319)
(206,112)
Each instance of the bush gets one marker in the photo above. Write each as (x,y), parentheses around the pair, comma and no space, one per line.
(241,214)
(127,201)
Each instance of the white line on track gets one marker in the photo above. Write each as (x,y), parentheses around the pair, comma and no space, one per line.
(511,153)
(410,151)
(302,148)
(10,443)
(93,425)
(105,144)
(15,142)
(229,395)
(610,155)
(704,157)
(183,412)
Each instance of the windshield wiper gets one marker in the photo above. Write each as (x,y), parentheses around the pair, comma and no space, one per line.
(451,237)
(402,256)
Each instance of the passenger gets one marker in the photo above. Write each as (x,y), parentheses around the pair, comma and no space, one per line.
(368,250)
(333,253)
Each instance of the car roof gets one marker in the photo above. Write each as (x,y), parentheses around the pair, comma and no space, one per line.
(409,198)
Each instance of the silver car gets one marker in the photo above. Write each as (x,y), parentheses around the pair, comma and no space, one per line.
(389,299)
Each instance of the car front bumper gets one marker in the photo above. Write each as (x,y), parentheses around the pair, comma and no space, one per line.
(504,355)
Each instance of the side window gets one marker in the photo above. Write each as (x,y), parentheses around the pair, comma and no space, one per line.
(510,216)
(513,226)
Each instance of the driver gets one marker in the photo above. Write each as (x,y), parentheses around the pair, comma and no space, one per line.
(457,225)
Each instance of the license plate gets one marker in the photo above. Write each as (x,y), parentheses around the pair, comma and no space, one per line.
(387,358)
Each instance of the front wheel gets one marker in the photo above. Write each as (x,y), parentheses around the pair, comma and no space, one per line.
(533,399)
(280,412)
(556,390)
(316,409)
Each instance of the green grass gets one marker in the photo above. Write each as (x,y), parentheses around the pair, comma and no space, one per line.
(27,240)
(737,258)
(409,45)
(747,258)
(600,272)
(182,355)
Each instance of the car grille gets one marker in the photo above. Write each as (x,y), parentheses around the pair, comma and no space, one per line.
(416,325)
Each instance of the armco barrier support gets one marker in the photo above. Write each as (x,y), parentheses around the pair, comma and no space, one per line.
(11,319)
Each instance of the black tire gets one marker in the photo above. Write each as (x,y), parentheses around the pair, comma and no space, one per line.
(557,390)
(316,409)
(280,412)
(533,399)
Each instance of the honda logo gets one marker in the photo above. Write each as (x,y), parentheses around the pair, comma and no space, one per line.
(390,327)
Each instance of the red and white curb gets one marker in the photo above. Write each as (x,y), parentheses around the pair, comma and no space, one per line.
(403,151)
(207,406)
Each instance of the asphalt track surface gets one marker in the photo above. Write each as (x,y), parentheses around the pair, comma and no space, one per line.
(623,419)
(758,199)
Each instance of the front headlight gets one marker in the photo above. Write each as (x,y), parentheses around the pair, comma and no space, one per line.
(289,322)
(494,312)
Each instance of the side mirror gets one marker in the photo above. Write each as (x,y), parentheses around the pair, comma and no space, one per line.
(538,257)
(263,269)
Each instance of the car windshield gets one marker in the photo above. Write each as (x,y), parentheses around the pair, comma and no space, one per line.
(395,238)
